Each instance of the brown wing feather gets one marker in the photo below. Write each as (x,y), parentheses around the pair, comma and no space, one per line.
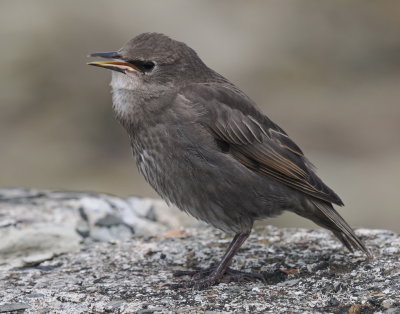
(255,140)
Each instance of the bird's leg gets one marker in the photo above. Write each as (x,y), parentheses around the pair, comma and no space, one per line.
(203,272)
(204,278)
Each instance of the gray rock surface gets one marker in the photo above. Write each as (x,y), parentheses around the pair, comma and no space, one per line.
(38,225)
(305,271)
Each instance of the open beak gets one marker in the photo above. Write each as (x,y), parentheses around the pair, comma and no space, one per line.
(117,64)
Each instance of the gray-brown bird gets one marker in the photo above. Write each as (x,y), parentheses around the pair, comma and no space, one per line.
(206,147)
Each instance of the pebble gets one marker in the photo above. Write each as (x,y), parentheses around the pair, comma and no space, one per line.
(387,304)
(151,310)
(13,307)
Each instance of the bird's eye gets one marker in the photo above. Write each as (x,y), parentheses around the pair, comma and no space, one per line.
(143,66)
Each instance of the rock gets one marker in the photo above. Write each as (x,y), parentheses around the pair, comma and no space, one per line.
(387,304)
(38,225)
(95,253)
(114,305)
(129,276)
(33,244)
(150,310)
(13,307)
(109,221)
(289,283)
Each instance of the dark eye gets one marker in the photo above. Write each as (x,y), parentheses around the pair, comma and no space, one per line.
(143,66)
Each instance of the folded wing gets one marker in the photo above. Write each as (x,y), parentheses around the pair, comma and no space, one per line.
(254,140)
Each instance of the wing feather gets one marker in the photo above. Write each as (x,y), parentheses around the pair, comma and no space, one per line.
(254,140)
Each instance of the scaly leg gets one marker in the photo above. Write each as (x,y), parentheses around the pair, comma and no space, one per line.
(204,278)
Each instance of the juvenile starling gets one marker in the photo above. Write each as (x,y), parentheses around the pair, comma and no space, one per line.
(206,147)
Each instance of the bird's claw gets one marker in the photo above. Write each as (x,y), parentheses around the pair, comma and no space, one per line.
(206,277)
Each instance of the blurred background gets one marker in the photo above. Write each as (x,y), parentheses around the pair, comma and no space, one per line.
(327,72)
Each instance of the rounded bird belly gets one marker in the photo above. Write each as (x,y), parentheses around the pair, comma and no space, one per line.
(209,185)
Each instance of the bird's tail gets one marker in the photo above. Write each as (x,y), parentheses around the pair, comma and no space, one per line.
(326,216)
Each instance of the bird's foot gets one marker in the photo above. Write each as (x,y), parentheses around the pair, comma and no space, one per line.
(203,278)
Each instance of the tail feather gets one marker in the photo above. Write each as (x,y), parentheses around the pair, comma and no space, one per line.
(329,218)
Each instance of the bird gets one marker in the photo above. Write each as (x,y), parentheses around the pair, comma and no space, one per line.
(206,147)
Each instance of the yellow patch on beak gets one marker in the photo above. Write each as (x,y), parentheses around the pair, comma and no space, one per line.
(120,66)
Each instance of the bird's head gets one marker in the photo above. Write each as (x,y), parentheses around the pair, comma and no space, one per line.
(151,61)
